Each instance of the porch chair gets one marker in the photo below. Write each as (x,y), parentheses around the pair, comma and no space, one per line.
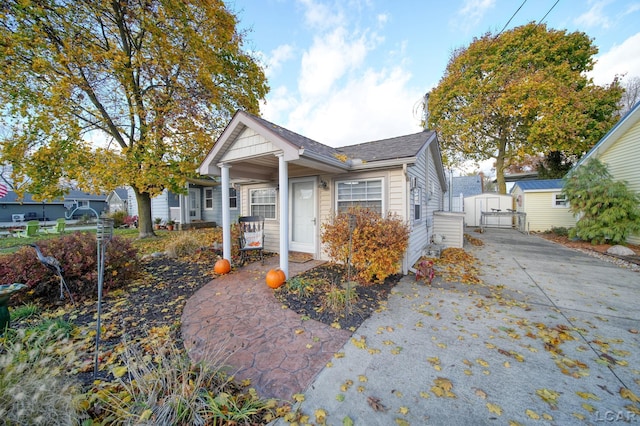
(58,228)
(251,237)
(31,230)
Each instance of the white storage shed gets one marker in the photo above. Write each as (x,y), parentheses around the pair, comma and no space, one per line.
(487,202)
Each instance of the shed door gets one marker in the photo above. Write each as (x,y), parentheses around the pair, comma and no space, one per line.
(303,215)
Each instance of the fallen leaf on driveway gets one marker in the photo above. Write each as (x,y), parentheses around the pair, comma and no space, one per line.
(549,396)
(627,394)
(376,404)
(532,414)
(493,408)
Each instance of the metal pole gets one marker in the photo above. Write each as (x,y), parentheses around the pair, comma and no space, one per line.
(104,232)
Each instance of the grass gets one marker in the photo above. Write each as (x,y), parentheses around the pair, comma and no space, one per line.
(145,246)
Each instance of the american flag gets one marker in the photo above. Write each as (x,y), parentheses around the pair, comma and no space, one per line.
(3,190)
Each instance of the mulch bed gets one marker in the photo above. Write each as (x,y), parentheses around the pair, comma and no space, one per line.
(599,248)
(313,305)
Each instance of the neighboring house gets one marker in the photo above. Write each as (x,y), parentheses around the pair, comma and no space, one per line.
(14,210)
(297,183)
(202,205)
(619,149)
(543,202)
(461,187)
(118,200)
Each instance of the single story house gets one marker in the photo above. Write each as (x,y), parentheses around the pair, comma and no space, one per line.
(296,183)
(118,200)
(201,206)
(543,202)
(619,149)
(14,210)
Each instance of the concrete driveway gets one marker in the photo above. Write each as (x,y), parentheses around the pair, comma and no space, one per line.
(550,336)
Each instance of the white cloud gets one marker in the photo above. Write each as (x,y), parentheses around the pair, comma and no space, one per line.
(320,15)
(471,13)
(623,59)
(375,105)
(328,59)
(595,17)
(278,56)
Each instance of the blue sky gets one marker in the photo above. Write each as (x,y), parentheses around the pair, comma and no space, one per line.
(351,71)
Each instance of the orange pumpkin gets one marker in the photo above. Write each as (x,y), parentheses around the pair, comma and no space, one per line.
(222,267)
(275,278)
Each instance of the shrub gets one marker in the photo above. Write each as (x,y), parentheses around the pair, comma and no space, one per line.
(183,244)
(163,386)
(373,245)
(77,255)
(33,386)
(560,231)
(338,300)
(118,218)
(608,211)
(193,243)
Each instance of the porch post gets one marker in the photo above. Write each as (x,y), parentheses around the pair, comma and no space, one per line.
(226,215)
(283,175)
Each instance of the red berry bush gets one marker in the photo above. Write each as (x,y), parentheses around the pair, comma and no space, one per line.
(77,254)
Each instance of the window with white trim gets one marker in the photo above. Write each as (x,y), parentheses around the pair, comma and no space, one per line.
(362,193)
(416,202)
(233,199)
(560,200)
(263,202)
(208,198)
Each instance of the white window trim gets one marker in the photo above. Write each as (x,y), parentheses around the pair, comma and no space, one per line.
(417,191)
(554,201)
(383,207)
(208,198)
(275,202)
(236,197)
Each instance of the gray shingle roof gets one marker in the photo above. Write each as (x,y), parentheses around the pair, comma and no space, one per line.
(532,185)
(12,197)
(297,139)
(466,185)
(385,149)
(388,149)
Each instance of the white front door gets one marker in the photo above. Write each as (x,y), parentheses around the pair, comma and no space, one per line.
(303,221)
(194,204)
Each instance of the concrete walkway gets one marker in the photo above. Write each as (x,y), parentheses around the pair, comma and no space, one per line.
(549,337)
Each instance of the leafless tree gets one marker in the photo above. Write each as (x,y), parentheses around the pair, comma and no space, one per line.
(631,95)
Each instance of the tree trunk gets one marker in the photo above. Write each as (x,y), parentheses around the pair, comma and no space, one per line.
(145,224)
(502,186)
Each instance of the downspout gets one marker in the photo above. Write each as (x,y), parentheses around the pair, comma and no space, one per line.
(407,214)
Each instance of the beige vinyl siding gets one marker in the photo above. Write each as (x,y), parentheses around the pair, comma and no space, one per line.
(271,226)
(541,213)
(623,161)
(450,225)
(396,188)
(249,144)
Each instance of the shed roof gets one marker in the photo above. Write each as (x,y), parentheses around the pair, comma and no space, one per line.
(540,185)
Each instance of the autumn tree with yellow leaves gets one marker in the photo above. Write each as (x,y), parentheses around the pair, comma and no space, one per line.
(154,81)
(521,92)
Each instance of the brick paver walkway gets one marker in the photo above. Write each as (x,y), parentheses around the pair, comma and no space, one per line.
(266,343)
